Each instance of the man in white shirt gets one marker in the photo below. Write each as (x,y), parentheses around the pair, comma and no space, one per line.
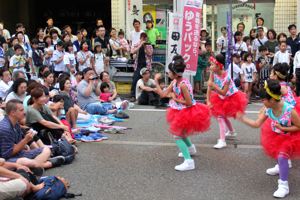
(260,40)
(5,82)
(236,69)
(6,33)
(222,42)
(50,23)
(135,34)
(20,28)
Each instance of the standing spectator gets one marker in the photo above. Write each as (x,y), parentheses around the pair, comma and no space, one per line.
(236,69)
(35,58)
(20,28)
(2,58)
(135,34)
(99,22)
(84,56)
(293,40)
(259,41)
(247,40)
(99,64)
(204,35)
(85,37)
(143,59)
(55,36)
(241,27)
(271,43)
(67,28)
(65,39)
(104,42)
(50,23)
(17,61)
(260,22)
(282,56)
(78,42)
(25,45)
(48,51)
(252,36)
(6,33)
(222,42)
(200,65)
(5,82)
(117,48)
(152,33)
(58,60)
(70,59)
(40,37)
(296,71)
(283,38)
(240,45)
(87,94)
(18,90)
(264,64)
(11,51)
(3,42)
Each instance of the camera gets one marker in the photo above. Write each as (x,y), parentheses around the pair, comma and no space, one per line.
(95,78)
(146,43)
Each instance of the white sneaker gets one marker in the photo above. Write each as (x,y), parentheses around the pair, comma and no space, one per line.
(192,151)
(283,189)
(221,144)
(188,164)
(230,135)
(275,170)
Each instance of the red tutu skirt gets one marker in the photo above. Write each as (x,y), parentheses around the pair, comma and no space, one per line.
(297,107)
(189,121)
(274,143)
(229,106)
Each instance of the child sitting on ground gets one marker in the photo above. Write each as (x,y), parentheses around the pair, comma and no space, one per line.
(162,85)
(78,76)
(104,95)
(57,106)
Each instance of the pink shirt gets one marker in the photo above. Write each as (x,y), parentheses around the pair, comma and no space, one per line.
(104,96)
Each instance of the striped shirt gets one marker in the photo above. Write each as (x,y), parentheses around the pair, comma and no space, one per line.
(9,136)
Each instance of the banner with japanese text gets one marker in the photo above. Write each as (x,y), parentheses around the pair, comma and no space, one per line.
(134,10)
(174,38)
(191,34)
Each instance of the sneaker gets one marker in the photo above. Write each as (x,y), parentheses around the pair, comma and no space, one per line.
(87,139)
(95,138)
(38,171)
(221,144)
(78,136)
(105,120)
(57,161)
(275,170)
(103,137)
(283,189)
(230,135)
(188,164)
(192,151)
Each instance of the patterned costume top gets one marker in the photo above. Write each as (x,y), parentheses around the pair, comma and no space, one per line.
(222,81)
(288,97)
(284,119)
(179,95)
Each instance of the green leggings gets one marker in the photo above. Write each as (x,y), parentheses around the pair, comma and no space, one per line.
(183,144)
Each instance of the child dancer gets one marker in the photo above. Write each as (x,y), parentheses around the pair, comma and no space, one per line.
(280,136)
(226,101)
(248,74)
(185,116)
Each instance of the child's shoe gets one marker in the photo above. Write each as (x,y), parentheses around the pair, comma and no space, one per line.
(230,135)
(192,151)
(188,164)
(283,189)
(221,144)
(275,170)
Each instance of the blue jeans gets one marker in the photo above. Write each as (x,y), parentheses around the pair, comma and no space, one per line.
(102,108)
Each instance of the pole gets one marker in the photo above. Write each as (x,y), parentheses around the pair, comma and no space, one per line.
(231,46)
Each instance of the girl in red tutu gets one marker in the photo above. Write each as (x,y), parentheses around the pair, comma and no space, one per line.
(280,137)
(185,116)
(226,101)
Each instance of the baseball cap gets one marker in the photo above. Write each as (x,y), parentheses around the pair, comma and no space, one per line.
(143,70)
(97,44)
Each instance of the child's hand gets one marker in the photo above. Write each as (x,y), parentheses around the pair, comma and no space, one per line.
(243,80)
(210,83)
(157,76)
(239,115)
(173,96)
(277,125)
(209,104)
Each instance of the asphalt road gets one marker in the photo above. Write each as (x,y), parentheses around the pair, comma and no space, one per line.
(140,164)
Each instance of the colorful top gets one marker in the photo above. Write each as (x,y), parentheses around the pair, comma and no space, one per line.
(288,97)
(179,95)
(124,43)
(220,82)
(105,96)
(148,58)
(284,119)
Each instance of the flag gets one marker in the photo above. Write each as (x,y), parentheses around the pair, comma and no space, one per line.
(230,41)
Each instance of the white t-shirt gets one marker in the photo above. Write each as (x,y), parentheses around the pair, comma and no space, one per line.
(248,72)
(4,88)
(256,45)
(281,58)
(60,66)
(135,37)
(116,43)
(13,95)
(99,62)
(81,56)
(25,38)
(48,61)
(17,61)
(138,90)
(222,41)
(240,47)
(69,59)
(236,71)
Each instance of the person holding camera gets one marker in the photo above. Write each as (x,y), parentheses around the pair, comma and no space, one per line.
(88,92)
(143,51)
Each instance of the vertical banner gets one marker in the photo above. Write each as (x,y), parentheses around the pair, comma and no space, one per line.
(134,10)
(191,34)
(174,38)
(230,41)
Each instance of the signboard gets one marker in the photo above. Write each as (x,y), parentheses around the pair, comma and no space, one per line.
(134,10)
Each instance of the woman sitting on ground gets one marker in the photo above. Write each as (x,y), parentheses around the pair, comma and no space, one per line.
(18,90)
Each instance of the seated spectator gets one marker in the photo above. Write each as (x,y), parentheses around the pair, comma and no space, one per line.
(236,69)
(18,90)
(39,117)
(42,70)
(78,76)
(5,82)
(87,94)
(16,184)
(146,90)
(114,41)
(104,78)
(48,81)
(104,95)
(57,106)
(15,76)
(74,113)
(32,84)
(12,143)
(162,86)
(123,41)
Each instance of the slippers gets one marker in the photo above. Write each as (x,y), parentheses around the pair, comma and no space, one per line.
(111,131)
(121,115)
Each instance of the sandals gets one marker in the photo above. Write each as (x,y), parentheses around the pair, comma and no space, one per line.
(114,130)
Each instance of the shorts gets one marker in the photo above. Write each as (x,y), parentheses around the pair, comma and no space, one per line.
(56,73)
(31,154)
(11,189)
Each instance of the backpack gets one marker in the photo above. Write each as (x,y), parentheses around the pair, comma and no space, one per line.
(63,148)
(36,59)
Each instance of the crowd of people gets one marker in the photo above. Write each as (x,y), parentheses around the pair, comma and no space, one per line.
(52,83)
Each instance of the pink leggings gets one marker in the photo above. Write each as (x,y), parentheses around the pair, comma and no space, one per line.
(223,122)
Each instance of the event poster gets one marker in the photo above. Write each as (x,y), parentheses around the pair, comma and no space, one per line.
(191,34)
(160,16)
(149,13)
